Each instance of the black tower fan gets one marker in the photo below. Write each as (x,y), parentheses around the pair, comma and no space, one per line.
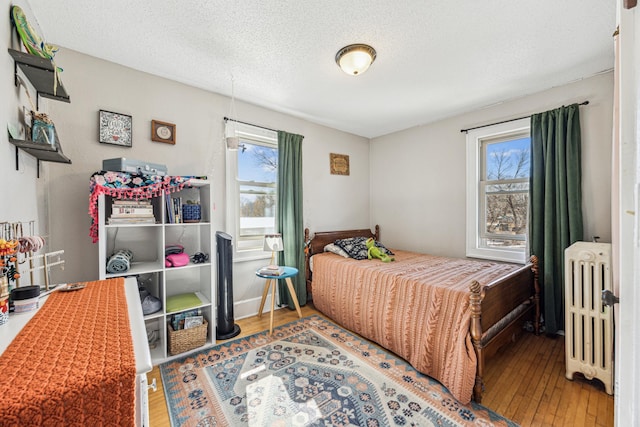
(226,328)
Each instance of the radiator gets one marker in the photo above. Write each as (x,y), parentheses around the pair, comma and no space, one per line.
(588,322)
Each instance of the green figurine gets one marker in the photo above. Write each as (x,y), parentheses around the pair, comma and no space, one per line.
(374,252)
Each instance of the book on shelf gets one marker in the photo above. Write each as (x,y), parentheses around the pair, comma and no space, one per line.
(271,270)
(131,210)
(178,320)
(177,209)
(170,218)
(132,202)
(174,210)
(133,215)
(132,220)
(193,321)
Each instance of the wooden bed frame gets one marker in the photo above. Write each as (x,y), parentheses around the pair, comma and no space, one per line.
(489,304)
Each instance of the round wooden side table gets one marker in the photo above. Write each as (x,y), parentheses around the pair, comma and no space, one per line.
(287,274)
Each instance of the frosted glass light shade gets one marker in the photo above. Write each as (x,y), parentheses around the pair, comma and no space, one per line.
(356,58)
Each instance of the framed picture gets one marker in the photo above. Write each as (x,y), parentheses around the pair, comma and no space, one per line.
(163,132)
(115,128)
(339,164)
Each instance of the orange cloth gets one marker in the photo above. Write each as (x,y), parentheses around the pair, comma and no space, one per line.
(416,306)
(73,364)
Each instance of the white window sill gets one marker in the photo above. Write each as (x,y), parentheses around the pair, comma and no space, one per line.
(255,255)
(497,255)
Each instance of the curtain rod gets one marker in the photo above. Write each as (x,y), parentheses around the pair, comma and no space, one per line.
(507,121)
(227,119)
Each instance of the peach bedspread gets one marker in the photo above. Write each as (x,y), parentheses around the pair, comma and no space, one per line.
(417,307)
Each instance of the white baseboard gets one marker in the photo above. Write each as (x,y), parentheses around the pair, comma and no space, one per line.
(249,307)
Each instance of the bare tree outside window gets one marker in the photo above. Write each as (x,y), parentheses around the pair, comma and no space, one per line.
(506,192)
(498,170)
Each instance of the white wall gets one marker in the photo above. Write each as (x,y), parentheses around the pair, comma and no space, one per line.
(19,191)
(418,175)
(93,84)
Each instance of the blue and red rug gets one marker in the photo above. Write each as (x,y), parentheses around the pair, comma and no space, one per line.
(309,372)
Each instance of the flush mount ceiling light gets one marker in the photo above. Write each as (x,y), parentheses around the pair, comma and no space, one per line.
(356,58)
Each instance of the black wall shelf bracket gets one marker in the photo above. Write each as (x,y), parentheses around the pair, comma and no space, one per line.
(41,73)
(41,151)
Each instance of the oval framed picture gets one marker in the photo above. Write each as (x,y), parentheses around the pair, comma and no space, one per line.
(163,132)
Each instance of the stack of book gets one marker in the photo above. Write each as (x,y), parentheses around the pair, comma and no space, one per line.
(174,210)
(271,270)
(132,212)
(179,321)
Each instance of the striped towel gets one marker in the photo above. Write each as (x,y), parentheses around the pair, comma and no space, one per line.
(120,261)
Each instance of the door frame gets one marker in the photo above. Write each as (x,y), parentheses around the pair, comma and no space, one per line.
(627,222)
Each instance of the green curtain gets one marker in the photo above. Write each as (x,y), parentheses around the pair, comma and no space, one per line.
(555,220)
(290,222)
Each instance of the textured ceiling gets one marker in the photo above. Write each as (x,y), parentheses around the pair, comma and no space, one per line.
(436,58)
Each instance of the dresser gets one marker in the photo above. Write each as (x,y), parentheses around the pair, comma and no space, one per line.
(16,323)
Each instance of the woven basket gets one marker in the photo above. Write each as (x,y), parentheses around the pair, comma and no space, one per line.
(187,339)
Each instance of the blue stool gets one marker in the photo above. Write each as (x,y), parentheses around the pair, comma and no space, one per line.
(289,272)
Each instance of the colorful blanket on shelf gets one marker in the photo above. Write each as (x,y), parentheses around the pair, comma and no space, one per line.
(125,185)
(73,363)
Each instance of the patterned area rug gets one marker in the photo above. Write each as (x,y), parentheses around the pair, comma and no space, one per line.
(309,372)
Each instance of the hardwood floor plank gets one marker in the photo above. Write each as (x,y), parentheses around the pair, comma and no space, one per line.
(499,371)
(592,408)
(534,394)
(547,406)
(558,382)
(158,414)
(525,381)
(610,415)
(605,411)
(581,410)
(505,386)
(525,369)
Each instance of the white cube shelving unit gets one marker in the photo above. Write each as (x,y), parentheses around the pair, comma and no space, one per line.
(148,242)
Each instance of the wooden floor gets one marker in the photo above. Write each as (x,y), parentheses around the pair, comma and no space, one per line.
(525,382)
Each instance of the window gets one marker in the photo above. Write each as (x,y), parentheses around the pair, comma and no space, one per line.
(498,160)
(252,175)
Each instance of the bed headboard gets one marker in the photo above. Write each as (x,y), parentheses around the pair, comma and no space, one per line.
(322,238)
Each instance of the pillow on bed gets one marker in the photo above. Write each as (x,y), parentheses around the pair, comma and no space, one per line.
(356,247)
(333,248)
(383,248)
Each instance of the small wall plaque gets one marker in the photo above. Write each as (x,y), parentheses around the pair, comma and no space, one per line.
(339,164)
(163,132)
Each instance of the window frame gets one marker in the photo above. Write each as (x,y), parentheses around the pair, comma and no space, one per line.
(256,136)
(475,208)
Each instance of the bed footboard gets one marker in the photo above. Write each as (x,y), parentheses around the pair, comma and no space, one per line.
(503,305)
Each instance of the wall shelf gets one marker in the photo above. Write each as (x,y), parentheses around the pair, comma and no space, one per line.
(42,152)
(41,73)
